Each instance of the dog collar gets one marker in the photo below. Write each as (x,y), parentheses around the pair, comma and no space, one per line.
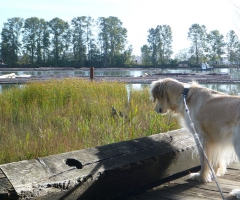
(185,92)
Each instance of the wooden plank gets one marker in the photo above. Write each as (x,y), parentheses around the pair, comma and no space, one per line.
(225,185)
(106,170)
(2,175)
(184,192)
(235,166)
(6,189)
(4,185)
(178,192)
(232,174)
(187,189)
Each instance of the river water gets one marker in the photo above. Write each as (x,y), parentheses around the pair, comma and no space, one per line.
(226,88)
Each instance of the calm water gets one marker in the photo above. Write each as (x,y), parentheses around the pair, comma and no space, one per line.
(226,88)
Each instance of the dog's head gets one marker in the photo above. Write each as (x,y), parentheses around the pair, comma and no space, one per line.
(166,94)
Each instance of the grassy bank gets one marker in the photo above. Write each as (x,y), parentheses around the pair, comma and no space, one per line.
(64,115)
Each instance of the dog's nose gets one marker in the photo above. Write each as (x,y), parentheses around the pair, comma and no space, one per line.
(158,110)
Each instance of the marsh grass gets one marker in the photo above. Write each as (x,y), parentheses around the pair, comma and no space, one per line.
(63,115)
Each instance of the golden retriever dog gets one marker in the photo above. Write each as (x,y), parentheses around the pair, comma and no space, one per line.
(215,116)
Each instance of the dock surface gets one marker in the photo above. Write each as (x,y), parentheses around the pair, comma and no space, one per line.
(186,189)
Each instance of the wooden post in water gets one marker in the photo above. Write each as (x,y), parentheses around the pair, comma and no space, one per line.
(91,73)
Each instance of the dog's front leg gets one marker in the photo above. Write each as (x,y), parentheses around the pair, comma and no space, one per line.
(205,174)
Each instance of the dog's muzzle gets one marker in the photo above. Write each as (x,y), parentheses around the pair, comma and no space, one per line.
(158,110)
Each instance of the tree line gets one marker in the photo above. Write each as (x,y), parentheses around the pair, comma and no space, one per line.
(204,47)
(81,43)
(158,51)
(210,46)
(86,42)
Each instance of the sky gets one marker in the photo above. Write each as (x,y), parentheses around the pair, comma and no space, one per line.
(137,16)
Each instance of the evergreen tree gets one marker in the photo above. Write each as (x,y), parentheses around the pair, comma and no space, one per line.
(10,45)
(197,34)
(216,45)
(233,46)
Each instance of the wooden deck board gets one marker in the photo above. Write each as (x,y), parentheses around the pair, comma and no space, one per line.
(184,192)
(6,188)
(185,189)
(149,168)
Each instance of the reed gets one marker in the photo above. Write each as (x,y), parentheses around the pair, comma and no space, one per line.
(58,116)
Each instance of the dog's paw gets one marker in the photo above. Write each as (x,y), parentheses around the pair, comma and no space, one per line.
(236,193)
(198,177)
(195,176)
(220,171)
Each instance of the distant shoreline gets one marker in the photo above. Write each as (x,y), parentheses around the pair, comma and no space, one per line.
(96,68)
(201,78)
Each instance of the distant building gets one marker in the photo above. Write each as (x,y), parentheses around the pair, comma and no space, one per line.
(183,64)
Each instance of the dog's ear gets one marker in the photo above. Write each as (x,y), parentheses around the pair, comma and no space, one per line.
(153,96)
(158,90)
(162,89)
(173,89)
(168,90)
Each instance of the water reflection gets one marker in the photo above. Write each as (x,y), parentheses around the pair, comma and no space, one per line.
(225,88)
(4,87)
(135,87)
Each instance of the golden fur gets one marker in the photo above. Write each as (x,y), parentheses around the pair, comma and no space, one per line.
(216,118)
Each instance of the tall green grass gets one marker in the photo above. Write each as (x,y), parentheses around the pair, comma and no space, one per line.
(57,116)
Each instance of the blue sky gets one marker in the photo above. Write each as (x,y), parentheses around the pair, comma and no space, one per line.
(138,16)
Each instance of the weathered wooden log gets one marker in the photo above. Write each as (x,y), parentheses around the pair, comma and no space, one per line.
(100,172)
